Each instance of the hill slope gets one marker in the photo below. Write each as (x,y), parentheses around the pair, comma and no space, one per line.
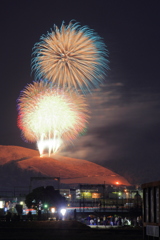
(18,164)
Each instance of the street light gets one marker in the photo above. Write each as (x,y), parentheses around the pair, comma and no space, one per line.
(63,212)
(53,210)
(45,205)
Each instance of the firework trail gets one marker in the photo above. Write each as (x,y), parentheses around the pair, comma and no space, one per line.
(72,56)
(50,116)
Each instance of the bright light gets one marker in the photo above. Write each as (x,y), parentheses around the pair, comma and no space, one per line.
(96,195)
(53,210)
(117,183)
(63,211)
(1,204)
(21,203)
(51,144)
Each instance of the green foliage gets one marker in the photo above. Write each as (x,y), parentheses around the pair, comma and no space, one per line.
(47,196)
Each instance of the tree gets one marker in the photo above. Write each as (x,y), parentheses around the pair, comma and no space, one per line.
(48,197)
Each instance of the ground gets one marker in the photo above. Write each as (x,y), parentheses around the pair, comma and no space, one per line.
(68,230)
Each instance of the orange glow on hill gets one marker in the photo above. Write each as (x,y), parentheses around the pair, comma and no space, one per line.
(70,170)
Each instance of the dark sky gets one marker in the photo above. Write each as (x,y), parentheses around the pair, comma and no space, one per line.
(124,130)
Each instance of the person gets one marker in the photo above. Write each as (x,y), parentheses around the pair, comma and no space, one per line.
(30,217)
(8,216)
(115,220)
(91,221)
(122,222)
(89,218)
(98,221)
(75,214)
(111,221)
(39,215)
(104,220)
(140,221)
(134,222)
(119,223)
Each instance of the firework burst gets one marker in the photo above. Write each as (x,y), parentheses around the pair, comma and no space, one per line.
(72,56)
(50,116)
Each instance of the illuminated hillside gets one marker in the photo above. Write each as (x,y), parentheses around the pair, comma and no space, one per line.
(18,164)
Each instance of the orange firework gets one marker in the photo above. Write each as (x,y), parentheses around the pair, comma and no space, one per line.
(71,56)
(50,114)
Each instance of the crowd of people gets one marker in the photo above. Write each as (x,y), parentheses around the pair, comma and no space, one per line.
(113,220)
(17,217)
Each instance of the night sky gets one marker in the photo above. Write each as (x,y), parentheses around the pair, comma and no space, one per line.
(124,129)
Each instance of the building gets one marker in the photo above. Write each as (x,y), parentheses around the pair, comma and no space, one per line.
(151,210)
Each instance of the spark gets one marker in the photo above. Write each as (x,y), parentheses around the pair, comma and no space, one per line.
(72,56)
(51,116)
